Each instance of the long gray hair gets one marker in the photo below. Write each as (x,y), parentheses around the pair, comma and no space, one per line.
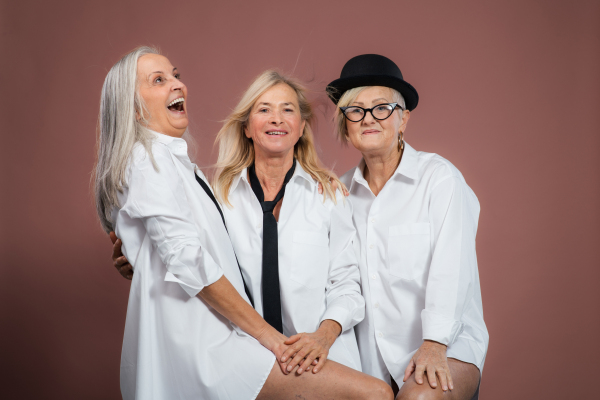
(121,124)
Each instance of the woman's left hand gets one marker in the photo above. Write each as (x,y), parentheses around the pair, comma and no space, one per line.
(430,358)
(305,348)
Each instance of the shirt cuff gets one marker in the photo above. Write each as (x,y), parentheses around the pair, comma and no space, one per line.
(440,328)
(339,315)
(192,291)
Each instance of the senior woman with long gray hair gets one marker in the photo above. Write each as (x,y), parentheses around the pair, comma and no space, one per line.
(190,331)
(416,220)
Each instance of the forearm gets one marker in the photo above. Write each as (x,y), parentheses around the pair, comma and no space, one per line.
(224,298)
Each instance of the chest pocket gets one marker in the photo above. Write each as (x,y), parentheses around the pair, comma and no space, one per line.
(310,265)
(408,249)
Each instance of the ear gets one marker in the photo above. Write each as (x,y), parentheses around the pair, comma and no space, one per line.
(302,128)
(405,117)
(247,132)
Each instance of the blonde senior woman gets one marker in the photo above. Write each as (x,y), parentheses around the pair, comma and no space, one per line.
(190,331)
(416,221)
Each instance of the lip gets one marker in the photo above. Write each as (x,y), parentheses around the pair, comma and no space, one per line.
(283,132)
(179,113)
(371,132)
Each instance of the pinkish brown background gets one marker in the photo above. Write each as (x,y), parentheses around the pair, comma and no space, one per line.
(510,93)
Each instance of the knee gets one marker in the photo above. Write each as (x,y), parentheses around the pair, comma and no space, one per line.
(380,391)
(420,392)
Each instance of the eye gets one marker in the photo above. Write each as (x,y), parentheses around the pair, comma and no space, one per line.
(288,110)
(158,79)
(383,107)
(263,110)
(177,76)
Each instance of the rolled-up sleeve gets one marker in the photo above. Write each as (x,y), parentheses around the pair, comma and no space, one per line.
(158,198)
(454,212)
(345,303)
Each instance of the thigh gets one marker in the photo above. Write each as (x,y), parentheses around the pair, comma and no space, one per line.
(464,375)
(332,381)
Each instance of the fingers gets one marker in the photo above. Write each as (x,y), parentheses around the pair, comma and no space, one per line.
(319,365)
(121,262)
(117,249)
(297,359)
(409,370)
(431,377)
(419,371)
(306,364)
(450,381)
(283,367)
(443,380)
(292,350)
(293,339)
(127,271)
(113,237)
(320,187)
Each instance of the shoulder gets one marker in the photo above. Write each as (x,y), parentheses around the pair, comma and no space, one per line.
(347,177)
(142,159)
(436,168)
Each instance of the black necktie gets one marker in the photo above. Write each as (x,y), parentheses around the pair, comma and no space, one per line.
(212,197)
(270,256)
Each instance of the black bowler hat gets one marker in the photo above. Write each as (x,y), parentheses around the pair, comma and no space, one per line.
(372,70)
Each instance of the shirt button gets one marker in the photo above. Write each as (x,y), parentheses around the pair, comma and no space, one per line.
(373,276)
(379,334)
(376,305)
(372,219)
(371,246)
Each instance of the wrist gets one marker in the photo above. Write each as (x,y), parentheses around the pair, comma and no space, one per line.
(331,329)
(433,343)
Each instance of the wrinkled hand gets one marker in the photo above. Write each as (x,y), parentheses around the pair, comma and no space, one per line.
(430,358)
(305,348)
(275,342)
(119,260)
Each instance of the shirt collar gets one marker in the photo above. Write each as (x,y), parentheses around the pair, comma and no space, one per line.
(409,167)
(177,145)
(298,172)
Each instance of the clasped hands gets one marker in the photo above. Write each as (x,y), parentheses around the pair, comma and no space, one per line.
(303,351)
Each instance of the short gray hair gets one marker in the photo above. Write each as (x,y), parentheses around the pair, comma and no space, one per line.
(341,131)
(121,124)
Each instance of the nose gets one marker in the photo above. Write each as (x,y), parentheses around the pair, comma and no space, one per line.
(176,84)
(368,119)
(276,118)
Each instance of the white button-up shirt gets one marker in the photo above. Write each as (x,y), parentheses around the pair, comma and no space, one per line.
(318,272)
(416,241)
(175,346)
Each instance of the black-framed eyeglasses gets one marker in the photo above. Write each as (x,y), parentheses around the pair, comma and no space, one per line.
(379,112)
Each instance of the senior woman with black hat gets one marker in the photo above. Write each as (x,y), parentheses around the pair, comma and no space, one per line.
(416,222)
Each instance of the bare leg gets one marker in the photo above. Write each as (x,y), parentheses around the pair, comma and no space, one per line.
(334,381)
(464,375)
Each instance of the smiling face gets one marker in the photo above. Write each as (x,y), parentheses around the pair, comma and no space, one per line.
(164,95)
(275,124)
(370,136)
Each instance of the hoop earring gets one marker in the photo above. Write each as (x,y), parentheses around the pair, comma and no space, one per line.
(401,142)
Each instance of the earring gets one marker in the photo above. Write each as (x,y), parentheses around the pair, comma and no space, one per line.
(401,141)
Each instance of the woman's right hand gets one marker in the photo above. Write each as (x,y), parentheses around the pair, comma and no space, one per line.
(274,341)
(119,260)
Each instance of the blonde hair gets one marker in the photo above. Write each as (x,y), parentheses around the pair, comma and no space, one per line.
(118,131)
(341,130)
(236,151)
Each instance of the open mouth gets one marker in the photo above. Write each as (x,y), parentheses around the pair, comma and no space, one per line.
(176,105)
(276,133)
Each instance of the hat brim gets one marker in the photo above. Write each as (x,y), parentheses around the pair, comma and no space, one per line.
(337,88)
